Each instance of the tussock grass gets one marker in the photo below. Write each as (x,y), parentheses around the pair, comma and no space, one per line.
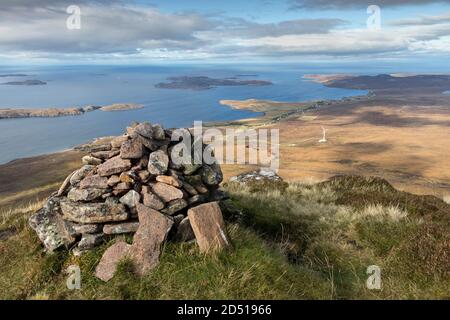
(292,241)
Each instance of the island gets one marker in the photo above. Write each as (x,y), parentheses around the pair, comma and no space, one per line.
(9,113)
(8,75)
(26,83)
(206,83)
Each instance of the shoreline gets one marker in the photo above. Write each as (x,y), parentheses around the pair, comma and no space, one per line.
(26,113)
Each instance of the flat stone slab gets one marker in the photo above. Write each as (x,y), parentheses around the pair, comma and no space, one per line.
(209,228)
(148,239)
(113,166)
(94,181)
(120,228)
(107,266)
(92,212)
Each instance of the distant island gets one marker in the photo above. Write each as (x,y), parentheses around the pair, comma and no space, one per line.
(26,83)
(205,83)
(13,75)
(9,113)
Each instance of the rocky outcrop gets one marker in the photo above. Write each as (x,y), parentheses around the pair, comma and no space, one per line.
(132,186)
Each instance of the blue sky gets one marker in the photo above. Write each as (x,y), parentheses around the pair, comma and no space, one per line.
(140,31)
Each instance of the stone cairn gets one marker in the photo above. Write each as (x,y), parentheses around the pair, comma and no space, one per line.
(132,186)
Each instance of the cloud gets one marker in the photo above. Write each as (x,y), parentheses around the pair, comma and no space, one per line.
(425,20)
(104,29)
(345,4)
(248,29)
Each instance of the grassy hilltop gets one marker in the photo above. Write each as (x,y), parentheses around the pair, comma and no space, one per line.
(291,241)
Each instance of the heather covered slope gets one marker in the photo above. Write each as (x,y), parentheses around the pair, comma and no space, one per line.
(291,241)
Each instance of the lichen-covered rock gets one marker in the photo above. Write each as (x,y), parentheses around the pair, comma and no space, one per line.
(47,222)
(92,212)
(174,206)
(211,174)
(158,162)
(158,132)
(197,183)
(113,166)
(261,175)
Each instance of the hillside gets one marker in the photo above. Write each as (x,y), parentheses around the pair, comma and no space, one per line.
(291,241)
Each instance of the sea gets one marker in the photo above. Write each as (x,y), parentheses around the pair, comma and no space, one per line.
(79,86)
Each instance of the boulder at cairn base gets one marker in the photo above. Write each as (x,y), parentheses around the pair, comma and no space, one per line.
(113,166)
(93,212)
(151,234)
(209,228)
(107,267)
(48,224)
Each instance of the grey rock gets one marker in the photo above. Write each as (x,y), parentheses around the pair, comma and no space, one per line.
(120,228)
(80,174)
(174,206)
(131,199)
(79,229)
(92,212)
(90,241)
(184,231)
(211,174)
(47,223)
(145,130)
(158,163)
(105,155)
(158,132)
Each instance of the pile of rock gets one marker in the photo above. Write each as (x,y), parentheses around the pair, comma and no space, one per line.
(132,186)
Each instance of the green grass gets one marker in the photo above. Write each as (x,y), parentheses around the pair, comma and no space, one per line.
(292,241)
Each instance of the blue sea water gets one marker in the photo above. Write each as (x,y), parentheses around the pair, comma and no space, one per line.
(77,86)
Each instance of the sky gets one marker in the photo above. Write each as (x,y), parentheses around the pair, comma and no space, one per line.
(139,31)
